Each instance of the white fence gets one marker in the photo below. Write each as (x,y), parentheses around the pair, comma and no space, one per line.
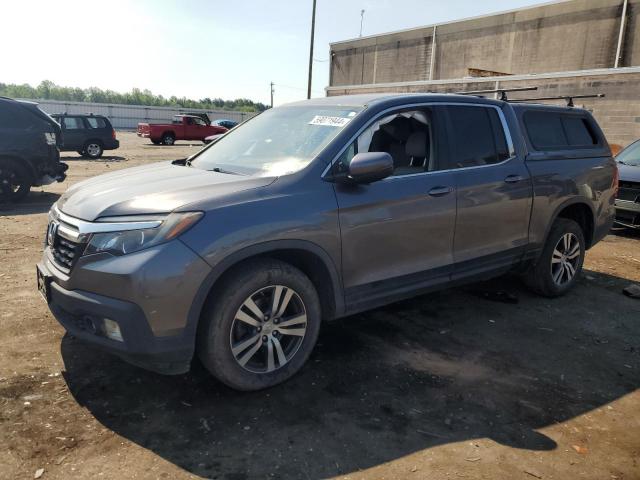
(126,117)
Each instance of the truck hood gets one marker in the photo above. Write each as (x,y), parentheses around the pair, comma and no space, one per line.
(629,173)
(150,189)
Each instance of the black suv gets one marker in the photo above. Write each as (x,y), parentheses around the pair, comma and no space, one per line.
(29,155)
(89,135)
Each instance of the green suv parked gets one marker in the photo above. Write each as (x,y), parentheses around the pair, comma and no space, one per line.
(89,135)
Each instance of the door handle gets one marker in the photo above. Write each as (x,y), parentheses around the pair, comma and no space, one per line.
(440,191)
(514,178)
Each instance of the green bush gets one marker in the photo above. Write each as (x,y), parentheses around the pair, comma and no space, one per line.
(47,90)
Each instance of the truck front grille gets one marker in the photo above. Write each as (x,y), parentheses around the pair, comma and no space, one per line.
(629,191)
(65,251)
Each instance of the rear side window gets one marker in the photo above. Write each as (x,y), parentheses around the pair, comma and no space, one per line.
(557,131)
(478,136)
(73,123)
(96,122)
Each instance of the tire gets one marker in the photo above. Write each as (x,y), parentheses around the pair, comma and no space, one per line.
(168,139)
(80,152)
(237,347)
(92,149)
(156,142)
(560,264)
(15,181)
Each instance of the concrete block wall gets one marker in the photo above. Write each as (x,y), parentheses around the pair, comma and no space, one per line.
(563,36)
(618,113)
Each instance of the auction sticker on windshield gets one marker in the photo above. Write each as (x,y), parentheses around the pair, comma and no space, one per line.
(329,121)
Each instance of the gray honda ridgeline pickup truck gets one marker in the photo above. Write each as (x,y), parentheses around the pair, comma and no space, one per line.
(317,210)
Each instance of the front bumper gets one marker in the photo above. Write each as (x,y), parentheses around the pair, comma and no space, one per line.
(628,213)
(148,294)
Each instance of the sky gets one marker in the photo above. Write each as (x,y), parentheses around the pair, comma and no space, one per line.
(201,48)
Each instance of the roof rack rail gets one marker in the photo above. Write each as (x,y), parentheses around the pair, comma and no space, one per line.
(568,98)
(502,91)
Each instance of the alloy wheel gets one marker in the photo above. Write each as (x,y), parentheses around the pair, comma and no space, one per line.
(268,329)
(93,149)
(565,259)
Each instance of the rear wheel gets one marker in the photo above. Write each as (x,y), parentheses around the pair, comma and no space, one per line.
(93,150)
(15,181)
(155,142)
(168,139)
(262,326)
(560,263)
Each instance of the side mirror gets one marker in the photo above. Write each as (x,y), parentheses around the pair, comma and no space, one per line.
(370,167)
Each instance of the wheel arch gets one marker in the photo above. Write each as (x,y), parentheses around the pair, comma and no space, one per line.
(93,140)
(580,211)
(308,257)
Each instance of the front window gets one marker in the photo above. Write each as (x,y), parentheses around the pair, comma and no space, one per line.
(408,136)
(630,155)
(277,142)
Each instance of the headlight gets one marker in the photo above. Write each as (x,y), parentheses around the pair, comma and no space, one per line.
(129,241)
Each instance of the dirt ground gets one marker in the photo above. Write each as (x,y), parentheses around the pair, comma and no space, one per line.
(450,385)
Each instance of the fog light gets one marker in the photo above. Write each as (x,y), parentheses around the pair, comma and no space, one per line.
(112,330)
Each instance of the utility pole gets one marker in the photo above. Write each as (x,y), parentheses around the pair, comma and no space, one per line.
(361,20)
(313,28)
(272,94)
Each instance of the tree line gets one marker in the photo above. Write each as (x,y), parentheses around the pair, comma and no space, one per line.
(47,90)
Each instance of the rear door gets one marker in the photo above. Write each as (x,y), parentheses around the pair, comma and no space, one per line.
(493,190)
(74,132)
(99,129)
(397,233)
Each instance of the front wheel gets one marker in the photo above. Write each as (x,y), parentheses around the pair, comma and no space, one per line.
(560,263)
(15,182)
(261,327)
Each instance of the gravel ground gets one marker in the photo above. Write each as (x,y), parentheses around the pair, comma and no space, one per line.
(448,385)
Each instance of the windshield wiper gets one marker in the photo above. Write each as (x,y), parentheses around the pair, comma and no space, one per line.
(221,170)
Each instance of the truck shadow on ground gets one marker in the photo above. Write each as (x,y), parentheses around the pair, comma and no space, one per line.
(104,158)
(441,368)
(36,202)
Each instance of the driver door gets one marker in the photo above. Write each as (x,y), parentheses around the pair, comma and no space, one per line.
(397,233)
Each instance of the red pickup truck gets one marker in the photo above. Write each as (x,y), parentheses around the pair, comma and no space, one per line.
(182,127)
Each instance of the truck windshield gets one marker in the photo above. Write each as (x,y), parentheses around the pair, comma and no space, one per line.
(630,155)
(277,142)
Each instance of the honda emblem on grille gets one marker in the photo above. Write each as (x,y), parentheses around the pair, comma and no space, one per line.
(51,233)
